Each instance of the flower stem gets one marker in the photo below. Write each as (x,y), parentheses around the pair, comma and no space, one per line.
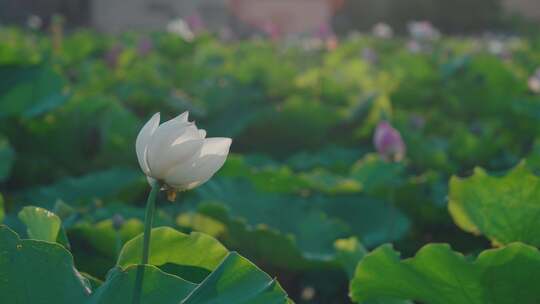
(148,220)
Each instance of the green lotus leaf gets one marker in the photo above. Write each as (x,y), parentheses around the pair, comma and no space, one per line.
(41,224)
(192,256)
(159,287)
(237,280)
(34,271)
(505,209)
(226,276)
(438,275)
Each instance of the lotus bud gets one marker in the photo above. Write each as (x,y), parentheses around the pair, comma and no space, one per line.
(118,221)
(388,142)
(177,154)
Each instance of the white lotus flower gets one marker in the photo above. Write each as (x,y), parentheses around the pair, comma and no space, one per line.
(382,30)
(177,154)
(181,28)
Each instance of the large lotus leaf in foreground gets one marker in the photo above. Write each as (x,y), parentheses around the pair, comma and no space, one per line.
(438,275)
(505,209)
(37,272)
(226,277)
(34,271)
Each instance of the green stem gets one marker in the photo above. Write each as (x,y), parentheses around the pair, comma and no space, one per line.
(118,243)
(148,220)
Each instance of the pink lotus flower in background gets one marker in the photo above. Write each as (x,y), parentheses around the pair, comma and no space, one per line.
(388,142)
(112,55)
(382,30)
(271,29)
(326,34)
(195,23)
(145,46)
(325,31)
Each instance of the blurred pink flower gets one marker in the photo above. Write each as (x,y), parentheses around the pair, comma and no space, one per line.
(326,34)
(195,23)
(271,29)
(388,142)
(145,46)
(112,55)
(324,31)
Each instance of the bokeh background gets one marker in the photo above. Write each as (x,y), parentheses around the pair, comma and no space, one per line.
(455,17)
(302,87)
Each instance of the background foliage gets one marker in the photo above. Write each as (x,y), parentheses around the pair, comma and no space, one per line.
(303,195)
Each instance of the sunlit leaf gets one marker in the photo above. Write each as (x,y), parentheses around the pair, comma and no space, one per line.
(170,246)
(41,224)
(504,209)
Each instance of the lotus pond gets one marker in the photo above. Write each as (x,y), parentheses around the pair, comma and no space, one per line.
(375,171)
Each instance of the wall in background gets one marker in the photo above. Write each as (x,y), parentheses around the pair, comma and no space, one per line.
(456,16)
(527,8)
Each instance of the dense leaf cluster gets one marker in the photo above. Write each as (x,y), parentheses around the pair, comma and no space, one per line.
(304,195)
